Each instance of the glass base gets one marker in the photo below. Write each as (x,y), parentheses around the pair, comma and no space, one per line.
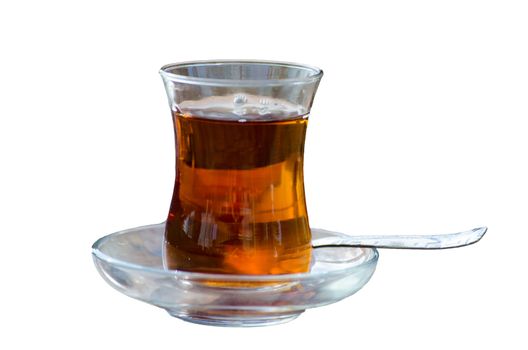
(231,318)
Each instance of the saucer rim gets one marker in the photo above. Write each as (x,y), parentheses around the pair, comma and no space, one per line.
(372,258)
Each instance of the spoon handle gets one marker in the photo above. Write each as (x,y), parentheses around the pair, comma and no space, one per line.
(323,238)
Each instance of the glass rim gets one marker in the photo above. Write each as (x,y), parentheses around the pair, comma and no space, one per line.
(314,76)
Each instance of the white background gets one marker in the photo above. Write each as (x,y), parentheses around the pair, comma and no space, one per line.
(419,126)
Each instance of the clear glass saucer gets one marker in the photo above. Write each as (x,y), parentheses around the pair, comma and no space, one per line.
(131,262)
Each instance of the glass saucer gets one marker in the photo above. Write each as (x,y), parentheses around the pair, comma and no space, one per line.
(131,262)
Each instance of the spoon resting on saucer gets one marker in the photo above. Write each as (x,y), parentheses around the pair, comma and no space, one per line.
(322,238)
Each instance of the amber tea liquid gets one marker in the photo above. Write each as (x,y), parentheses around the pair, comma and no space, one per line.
(238,205)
